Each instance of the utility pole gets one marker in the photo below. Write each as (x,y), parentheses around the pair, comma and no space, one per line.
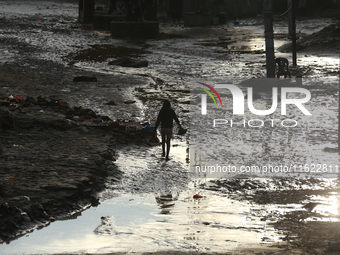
(269,36)
(294,32)
(290,17)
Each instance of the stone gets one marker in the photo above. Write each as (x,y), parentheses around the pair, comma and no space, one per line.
(107,226)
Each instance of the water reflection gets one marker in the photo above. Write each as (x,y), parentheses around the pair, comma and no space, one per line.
(170,221)
(327,206)
(166,203)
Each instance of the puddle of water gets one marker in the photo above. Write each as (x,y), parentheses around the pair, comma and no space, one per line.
(141,223)
(326,206)
(151,223)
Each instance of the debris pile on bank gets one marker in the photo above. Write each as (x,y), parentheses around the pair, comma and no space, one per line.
(74,116)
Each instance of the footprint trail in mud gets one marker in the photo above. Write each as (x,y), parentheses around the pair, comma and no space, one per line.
(145,171)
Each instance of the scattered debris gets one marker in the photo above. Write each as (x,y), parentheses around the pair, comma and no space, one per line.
(73,116)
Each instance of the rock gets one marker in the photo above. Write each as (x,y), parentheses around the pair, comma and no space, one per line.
(107,226)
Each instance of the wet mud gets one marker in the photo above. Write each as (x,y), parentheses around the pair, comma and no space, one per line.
(51,167)
(101,53)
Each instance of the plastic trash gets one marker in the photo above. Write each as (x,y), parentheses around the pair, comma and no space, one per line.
(18,98)
(149,129)
(197,196)
(97,120)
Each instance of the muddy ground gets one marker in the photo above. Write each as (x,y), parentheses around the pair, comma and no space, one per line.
(52,165)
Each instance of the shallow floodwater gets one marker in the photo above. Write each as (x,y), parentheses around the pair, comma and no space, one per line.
(166,217)
(139,224)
